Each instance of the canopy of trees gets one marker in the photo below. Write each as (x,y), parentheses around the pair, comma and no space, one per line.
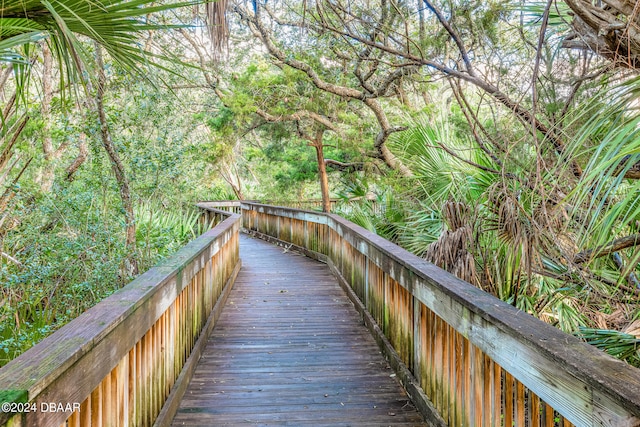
(498,139)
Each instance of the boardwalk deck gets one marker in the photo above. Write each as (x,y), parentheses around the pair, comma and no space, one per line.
(290,349)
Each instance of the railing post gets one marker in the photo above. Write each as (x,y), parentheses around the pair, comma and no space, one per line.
(417,336)
(367,302)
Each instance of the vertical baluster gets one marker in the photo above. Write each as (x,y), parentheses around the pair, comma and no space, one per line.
(148,379)
(508,396)
(132,383)
(171,344)
(460,375)
(445,384)
(418,341)
(478,385)
(159,374)
(433,371)
(177,333)
(162,368)
(96,407)
(497,394)
(167,381)
(73,421)
(151,363)
(108,407)
(488,382)
(121,389)
(520,404)
(85,412)
(451,357)
(467,386)
(534,409)
(408,325)
(438,354)
(549,416)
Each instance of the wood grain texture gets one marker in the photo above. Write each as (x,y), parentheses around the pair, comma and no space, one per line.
(289,349)
(177,391)
(583,385)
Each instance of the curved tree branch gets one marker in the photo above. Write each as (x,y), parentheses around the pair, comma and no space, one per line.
(529,119)
(300,114)
(370,100)
(454,36)
(609,29)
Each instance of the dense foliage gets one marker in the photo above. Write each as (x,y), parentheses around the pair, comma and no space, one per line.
(497,139)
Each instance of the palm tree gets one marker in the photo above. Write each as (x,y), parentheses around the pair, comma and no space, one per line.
(115,24)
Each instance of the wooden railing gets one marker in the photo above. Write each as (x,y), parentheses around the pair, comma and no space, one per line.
(211,210)
(466,358)
(315,205)
(127,360)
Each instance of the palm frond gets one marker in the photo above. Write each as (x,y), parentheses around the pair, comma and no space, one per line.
(218,25)
(604,201)
(115,24)
(618,344)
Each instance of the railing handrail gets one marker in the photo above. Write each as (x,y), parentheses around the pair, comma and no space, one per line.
(213,205)
(32,373)
(556,366)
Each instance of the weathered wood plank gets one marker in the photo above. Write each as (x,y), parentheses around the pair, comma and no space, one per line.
(89,359)
(289,349)
(580,382)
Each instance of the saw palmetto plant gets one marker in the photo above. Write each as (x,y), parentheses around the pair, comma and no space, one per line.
(546,248)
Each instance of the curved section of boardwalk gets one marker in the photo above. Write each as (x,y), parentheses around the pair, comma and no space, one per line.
(290,349)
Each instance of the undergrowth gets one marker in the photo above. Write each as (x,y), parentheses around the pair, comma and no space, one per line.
(61,256)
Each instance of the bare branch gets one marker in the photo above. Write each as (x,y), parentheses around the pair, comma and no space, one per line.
(300,114)
(201,57)
(473,121)
(341,166)
(476,165)
(10,258)
(614,246)
(454,36)
(526,116)
(83,153)
(7,150)
(259,31)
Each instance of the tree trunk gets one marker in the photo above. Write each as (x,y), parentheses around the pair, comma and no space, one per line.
(345,92)
(47,174)
(83,153)
(322,172)
(229,172)
(607,28)
(131,264)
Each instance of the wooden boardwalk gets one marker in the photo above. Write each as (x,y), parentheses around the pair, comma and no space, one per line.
(290,349)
